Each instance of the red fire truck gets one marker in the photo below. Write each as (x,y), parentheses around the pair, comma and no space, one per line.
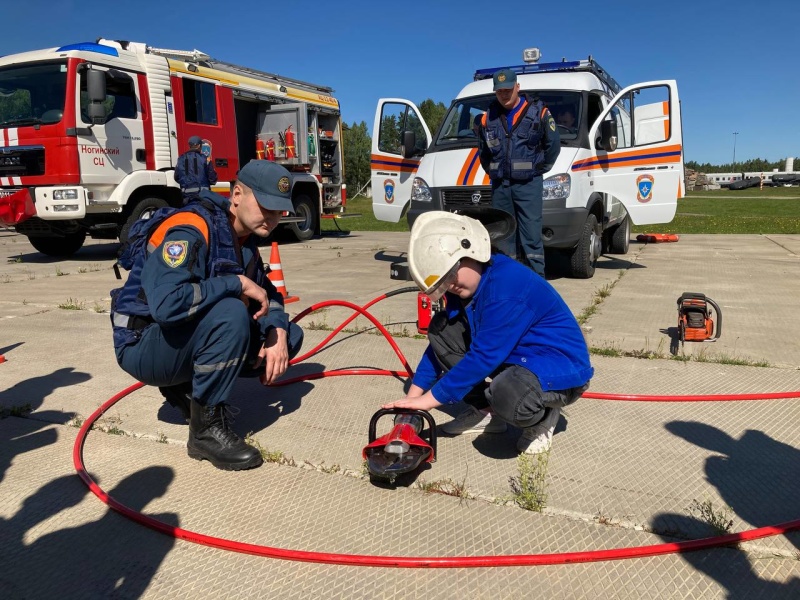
(90,133)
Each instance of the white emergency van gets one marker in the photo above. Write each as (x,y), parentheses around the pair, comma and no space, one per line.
(621,158)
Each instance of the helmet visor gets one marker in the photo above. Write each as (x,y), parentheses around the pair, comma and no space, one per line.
(437,291)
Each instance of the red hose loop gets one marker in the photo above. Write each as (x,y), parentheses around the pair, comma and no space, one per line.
(362,310)
(691,398)
(422,561)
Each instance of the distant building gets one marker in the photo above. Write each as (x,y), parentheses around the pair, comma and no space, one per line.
(727,178)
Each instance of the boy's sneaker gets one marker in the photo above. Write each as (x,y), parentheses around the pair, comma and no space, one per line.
(538,438)
(473,420)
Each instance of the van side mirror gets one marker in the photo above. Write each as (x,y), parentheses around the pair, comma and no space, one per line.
(409,144)
(608,136)
(96,88)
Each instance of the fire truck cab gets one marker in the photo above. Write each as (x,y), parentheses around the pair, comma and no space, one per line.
(621,158)
(90,134)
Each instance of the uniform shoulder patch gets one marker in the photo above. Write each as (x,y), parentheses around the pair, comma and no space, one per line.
(550,121)
(175,252)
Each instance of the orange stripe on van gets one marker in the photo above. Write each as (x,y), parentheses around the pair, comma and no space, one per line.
(465,168)
(181,218)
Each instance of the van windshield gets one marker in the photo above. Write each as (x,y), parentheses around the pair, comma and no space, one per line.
(32,94)
(459,125)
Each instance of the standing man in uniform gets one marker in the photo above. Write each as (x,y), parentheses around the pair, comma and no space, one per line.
(198,309)
(195,171)
(518,143)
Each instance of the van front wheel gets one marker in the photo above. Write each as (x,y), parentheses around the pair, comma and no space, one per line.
(618,238)
(584,256)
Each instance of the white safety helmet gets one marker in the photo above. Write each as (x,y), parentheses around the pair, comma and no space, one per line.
(439,239)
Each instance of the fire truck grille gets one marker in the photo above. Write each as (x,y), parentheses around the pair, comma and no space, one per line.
(22,161)
(453,198)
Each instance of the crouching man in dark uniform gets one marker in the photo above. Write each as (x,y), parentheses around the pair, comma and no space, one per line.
(198,310)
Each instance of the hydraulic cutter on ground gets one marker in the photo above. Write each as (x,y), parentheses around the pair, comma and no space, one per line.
(402,450)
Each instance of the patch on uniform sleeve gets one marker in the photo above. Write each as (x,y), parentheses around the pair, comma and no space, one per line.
(550,121)
(175,253)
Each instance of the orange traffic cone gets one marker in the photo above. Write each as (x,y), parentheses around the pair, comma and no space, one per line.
(276,275)
(2,359)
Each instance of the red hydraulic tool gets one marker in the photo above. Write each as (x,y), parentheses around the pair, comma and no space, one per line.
(402,450)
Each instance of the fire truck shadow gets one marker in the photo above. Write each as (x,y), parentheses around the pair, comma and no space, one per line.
(89,253)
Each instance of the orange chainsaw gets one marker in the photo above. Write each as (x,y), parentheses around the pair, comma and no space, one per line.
(696,323)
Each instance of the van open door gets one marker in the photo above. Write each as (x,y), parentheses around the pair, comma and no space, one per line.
(638,151)
(393,166)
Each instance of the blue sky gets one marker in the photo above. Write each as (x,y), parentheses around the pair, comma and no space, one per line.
(735,61)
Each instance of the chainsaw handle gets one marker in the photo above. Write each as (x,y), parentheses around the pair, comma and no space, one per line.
(718,326)
(373,423)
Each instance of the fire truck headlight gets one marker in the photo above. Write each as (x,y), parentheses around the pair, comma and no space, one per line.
(556,187)
(420,192)
(71,194)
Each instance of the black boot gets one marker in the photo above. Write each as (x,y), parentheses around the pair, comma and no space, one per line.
(210,438)
(179,396)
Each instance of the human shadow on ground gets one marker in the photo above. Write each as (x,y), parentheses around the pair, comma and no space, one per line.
(758,478)
(111,557)
(756,475)
(26,397)
(730,567)
(255,406)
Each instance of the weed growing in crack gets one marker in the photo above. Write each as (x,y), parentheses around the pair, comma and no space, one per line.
(275,456)
(718,519)
(448,487)
(530,486)
(71,304)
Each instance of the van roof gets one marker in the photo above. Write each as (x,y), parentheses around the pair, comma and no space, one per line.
(578,82)
(564,67)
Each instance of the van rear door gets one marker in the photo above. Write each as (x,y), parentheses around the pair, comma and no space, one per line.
(645,171)
(392,174)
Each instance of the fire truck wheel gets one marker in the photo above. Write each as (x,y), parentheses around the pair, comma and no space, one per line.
(618,238)
(143,209)
(64,246)
(305,209)
(585,255)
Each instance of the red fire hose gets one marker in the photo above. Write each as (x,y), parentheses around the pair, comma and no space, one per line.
(423,561)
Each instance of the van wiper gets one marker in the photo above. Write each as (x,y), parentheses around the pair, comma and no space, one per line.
(22,121)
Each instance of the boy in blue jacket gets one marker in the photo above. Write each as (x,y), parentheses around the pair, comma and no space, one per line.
(507,344)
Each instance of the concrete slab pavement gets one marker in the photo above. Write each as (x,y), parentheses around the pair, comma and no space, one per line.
(620,473)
